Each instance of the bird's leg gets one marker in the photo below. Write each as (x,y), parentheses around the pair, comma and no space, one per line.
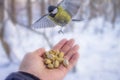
(61,31)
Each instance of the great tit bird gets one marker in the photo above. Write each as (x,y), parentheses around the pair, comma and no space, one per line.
(61,15)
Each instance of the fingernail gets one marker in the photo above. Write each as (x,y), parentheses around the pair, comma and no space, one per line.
(64,39)
(77,46)
(72,40)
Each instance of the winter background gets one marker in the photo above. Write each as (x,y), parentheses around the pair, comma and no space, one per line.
(98,36)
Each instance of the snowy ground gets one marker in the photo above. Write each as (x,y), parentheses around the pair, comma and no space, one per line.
(100,50)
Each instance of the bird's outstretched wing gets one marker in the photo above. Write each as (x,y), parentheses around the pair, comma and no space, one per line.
(43,22)
(71,6)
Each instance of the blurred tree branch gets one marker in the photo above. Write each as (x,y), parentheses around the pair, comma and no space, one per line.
(12,10)
(42,7)
(29,12)
(52,2)
(4,44)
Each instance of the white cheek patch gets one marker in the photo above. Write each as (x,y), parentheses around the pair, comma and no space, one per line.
(55,11)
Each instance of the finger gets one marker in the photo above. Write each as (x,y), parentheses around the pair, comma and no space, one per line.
(67,46)
(73,61)
(60,44)
(63,68)
(39,52)
(72,51)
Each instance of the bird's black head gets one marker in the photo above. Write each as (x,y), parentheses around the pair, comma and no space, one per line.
(51,9)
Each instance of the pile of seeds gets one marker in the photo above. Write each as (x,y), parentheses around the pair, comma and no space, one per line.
(54,58)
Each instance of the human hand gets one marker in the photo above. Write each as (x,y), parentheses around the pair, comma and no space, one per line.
(33,62)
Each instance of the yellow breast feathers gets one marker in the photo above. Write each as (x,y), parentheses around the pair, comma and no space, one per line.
(62,15)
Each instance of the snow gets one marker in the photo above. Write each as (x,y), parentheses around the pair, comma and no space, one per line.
(99,49)
(3,59)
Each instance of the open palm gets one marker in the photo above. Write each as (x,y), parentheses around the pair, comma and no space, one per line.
(37,67)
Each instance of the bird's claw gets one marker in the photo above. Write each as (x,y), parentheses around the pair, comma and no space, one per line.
(60,31)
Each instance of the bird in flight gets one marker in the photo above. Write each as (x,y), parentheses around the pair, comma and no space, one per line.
(61,15)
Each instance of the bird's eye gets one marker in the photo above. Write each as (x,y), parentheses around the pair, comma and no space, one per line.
(55,11)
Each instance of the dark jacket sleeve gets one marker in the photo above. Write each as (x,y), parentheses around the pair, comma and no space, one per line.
(21,76)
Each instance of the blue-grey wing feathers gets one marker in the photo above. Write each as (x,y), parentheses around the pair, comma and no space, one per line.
(43,22)
(71,6)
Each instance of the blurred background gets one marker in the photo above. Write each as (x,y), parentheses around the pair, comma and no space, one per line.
(98,36)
